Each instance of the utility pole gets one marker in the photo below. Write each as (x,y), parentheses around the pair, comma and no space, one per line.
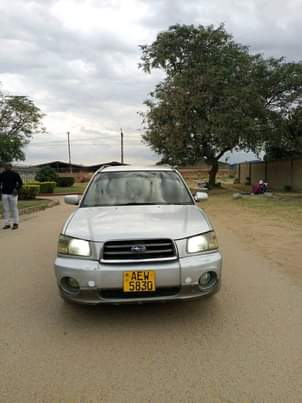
(122,146)
(69,153)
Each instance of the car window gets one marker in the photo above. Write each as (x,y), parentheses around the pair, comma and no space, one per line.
(136,187)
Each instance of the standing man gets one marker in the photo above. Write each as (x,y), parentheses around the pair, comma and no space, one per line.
(10,183)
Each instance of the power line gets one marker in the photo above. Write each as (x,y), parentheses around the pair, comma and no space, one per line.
(80,141)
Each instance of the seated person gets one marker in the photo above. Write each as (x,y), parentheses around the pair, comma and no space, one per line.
(259,188)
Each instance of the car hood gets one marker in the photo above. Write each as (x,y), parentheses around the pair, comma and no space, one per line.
(136,222)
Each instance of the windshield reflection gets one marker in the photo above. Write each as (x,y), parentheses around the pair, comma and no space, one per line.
(136,188)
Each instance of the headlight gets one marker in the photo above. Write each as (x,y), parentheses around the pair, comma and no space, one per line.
(202,243)
(72,246)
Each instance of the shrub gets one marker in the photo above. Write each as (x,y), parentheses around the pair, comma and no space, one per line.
(46,174)
(47,187)
(83,179)
(65,181)
(32,183)
(44,187)
(28,192)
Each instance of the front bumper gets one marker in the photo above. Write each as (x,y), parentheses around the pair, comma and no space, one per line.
(102,283)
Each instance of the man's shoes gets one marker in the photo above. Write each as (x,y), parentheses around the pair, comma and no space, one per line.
(6,226)
(15,226)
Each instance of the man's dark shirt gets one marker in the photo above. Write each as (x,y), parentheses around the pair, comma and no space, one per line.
(10,180)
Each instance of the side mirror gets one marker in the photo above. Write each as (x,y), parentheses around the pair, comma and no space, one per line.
(201,196)
(72,199)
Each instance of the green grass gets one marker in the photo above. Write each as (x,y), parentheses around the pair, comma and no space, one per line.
(282,206)
(279,206)
(29,203)
(76,188)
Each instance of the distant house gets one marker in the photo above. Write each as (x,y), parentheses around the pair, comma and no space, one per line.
(61,167)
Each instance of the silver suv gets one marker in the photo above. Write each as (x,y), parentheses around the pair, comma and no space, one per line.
(137,236)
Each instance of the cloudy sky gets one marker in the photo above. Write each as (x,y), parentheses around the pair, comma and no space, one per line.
(77,59)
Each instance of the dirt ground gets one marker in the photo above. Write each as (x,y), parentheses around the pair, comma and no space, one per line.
(241,346)
(270,227)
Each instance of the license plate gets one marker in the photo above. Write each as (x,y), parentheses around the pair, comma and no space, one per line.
(139,281)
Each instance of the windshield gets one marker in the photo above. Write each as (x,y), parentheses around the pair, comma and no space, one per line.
(136,188)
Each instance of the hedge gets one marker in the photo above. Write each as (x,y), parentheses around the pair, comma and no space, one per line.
(32,183)
(28,192)
(65,181)
(45,187)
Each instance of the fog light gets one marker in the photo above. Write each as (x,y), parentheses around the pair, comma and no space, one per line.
(207,280)
(91,284)
(70,285)
(72,282)
(204,278)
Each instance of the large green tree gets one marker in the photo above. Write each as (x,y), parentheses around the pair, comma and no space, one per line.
(287,142)
(20,118)
(215,96)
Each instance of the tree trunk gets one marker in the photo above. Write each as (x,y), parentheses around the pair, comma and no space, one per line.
(212,174)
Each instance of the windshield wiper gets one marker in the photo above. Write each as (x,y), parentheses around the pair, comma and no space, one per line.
(135,204)
(139,204)
(152,204)
(179,204)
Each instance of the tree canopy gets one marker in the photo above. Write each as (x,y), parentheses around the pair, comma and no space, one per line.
(215,97)
(19,119)
(287,143)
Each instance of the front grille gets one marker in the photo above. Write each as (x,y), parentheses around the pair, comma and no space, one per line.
(139,250)
(120,294)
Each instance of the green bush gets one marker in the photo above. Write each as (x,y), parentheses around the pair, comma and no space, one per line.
(32,183)
(65,181)
(44,187)
(47,187)
(46,174)
(28,192)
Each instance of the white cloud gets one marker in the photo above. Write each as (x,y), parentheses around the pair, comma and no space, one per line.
(78,60)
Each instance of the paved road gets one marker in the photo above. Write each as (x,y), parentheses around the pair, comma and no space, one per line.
(244,345)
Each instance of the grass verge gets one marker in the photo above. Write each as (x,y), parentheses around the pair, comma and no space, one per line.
(282,206)
(76,188)
(24,204)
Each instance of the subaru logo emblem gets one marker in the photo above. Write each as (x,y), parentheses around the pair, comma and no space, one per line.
(138,248)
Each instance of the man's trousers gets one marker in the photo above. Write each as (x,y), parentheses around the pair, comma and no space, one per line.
(10,209)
